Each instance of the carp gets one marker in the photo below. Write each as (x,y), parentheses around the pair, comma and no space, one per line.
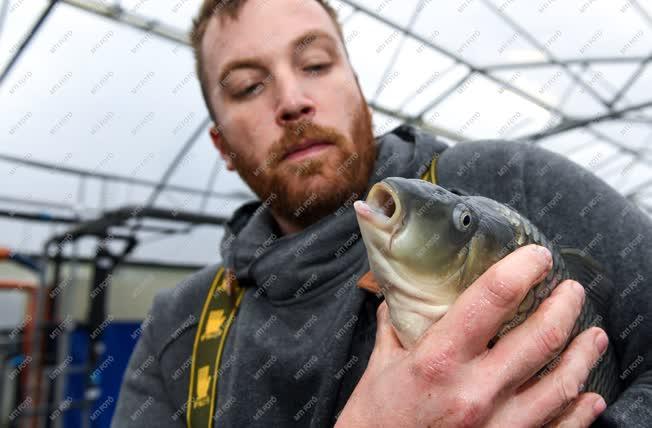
(426,245)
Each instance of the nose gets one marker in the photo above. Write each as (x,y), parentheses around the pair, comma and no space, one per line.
(293,105)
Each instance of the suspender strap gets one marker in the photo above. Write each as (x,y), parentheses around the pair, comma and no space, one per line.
(217,316)
(431,173)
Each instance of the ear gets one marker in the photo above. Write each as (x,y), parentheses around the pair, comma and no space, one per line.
(218,142)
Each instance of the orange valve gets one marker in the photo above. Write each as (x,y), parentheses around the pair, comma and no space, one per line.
(4,253)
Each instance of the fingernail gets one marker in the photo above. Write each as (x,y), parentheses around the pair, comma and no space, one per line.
(601,342)
(599,405)
(544,252)
(579,289)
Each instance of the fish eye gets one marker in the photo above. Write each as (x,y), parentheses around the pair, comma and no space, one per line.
(462,218)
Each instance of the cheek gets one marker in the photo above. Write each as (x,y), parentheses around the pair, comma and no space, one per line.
(339,99)
(244,155)
(258,125)
(251,136)
(254,124)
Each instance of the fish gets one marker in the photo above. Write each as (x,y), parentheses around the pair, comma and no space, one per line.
(426,245)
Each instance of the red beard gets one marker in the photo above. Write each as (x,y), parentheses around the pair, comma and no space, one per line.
(303,191)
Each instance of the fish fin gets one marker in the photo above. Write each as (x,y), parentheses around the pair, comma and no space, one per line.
(368,282)
(588,272)
(458,192)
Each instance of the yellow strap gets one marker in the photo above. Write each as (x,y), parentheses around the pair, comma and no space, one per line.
(431,174)
(217,316)
(219,310)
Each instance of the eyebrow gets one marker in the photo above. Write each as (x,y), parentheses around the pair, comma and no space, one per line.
(300,42)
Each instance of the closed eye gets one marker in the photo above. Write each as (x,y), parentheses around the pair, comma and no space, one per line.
(257,87)
(317,67)
(250,90)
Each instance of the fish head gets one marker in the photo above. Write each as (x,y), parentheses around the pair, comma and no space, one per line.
(417,236)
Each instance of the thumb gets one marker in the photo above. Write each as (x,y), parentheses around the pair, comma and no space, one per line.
(386,339)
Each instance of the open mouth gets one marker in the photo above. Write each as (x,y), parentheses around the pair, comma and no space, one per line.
(382,207)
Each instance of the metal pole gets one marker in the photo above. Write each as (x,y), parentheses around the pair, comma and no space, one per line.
(28,39)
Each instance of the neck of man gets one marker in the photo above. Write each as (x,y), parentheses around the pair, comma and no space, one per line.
(286,227)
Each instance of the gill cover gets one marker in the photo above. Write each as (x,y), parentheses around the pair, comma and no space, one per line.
(436,227)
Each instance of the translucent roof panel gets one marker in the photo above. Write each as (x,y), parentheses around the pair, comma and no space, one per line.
(639,92)
(607,79)
(125,118)
(102,109)
(471,31)
(555,87)
(17,18)
(36,184)
(371,45)
(580,28)
(398,83)
(395,11)
(479,109)
(175,13)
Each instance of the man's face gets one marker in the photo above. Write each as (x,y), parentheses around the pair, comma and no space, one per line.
(290,87)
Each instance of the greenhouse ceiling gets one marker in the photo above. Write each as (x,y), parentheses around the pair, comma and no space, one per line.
(101,108)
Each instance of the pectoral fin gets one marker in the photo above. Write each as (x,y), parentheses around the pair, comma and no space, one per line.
(587,271)
(368,282)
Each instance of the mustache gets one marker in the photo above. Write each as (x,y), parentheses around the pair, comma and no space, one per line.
(294,133)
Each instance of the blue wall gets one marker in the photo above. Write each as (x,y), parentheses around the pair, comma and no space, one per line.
(110,367)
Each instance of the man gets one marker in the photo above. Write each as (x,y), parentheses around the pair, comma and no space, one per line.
(292,121)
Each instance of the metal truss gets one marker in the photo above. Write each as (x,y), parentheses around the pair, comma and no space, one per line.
(86,173)
(566,122)
(28,38)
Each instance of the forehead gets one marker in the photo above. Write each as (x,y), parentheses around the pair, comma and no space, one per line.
(263,28)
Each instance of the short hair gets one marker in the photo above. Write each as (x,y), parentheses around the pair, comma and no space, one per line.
(231,9)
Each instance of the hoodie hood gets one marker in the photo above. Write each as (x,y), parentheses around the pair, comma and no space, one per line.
(289,266)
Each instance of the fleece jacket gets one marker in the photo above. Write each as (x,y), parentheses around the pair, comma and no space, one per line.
(304,331)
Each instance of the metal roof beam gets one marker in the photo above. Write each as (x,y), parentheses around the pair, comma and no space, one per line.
(520,30)
(4,7)
(457,58)
(118,178)
(36,203)
(443,132)
(119,216)
(441,97)
(632,79)
(646,16)
(392,60)
(30,36)
(578,123)
(134,20)
(162,182)
(568,62)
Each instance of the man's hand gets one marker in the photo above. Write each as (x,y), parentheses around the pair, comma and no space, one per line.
(451,378)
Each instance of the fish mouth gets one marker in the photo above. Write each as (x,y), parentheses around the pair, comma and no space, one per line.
(382,207)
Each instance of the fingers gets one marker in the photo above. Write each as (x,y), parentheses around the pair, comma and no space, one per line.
(582,413)
(550,394)
(519,354)
(386,339)
(480,311)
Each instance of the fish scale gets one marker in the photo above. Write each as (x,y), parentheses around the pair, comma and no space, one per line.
(603,379)
(420,277)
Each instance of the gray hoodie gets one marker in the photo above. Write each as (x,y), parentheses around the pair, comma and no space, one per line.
(304,332)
